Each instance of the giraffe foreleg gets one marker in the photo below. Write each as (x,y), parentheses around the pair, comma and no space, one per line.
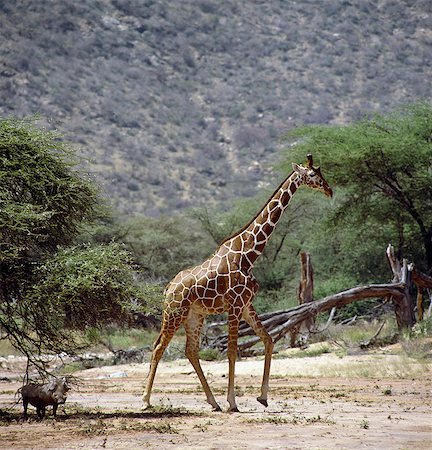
(251,317)
(193,326)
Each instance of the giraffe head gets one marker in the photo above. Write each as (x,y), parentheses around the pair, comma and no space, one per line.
(312,177)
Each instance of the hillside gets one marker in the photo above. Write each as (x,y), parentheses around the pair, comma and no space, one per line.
(180,103)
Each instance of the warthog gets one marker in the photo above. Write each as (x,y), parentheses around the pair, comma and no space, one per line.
(41,395)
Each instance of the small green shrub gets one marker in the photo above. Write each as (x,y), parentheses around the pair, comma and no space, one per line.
(314,351)
(210,354)
(364,424)
(422,329)
(361,331)
(333,284)
(121,338)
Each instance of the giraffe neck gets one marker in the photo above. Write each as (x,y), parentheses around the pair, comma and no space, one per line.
(251,240)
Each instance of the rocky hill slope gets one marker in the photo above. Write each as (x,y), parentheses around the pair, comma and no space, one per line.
(181,103)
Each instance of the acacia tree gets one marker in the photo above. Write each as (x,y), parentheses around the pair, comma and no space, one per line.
(46,289)
(384,166)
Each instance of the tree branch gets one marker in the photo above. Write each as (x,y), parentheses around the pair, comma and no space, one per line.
(282,322)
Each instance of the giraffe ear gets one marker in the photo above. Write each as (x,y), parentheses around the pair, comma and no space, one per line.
(299,169)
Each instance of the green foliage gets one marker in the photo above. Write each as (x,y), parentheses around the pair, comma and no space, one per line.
(77,288)
(380,169)
(160,246)
(165,245)
(42,199)
(422,329)
(92,286)
(359,309)
(221,224)
(210,354)
(333,283)
(275,299)
(49,290)
(124,338)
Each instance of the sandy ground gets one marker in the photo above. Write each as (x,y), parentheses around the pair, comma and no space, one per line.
(372,401)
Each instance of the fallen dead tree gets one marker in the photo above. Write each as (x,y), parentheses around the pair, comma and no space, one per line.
(279,323)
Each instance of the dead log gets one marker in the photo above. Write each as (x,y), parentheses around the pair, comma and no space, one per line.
(304,295)
(374,341)
(420,307)
(370,342)
(421,279)
(326,326)
(424,284)
(305,291)
(404,304)
(429,291)
(279,325)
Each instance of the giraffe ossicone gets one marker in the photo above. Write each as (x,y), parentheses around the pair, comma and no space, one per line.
(224,283)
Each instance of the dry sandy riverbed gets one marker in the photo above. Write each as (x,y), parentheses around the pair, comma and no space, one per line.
(373,400)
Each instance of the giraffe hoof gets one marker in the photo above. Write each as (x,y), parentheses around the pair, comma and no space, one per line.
(217,408)
(232,410)
(146,407)
(263,401)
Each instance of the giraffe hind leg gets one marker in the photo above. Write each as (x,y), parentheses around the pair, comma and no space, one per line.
(251,317)
(193,327)
(169,327)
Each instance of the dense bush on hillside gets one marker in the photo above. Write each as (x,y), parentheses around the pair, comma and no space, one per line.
(182,103)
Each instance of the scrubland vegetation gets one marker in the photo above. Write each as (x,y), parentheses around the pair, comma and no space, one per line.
(135,135)
(182,104)
(177,121)
(69,264)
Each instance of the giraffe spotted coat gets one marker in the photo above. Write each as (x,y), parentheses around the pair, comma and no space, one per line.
(225,283)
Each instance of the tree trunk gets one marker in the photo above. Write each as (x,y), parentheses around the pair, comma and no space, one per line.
(420,308)
(404,304)
(304,295)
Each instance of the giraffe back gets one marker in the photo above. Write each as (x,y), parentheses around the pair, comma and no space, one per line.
(205,286)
